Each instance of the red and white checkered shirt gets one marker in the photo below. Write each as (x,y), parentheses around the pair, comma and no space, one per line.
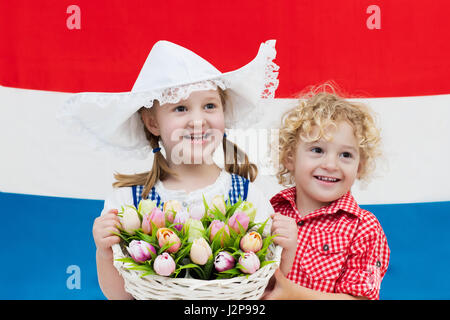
(341,248)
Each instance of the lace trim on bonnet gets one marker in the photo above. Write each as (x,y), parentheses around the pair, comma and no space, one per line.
(175,94)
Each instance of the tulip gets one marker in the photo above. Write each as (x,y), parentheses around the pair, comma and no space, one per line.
(146,206)
(195,229)
(164,264)
(200,251)
(139,250)
(197,212)
(156,217)
(216,226)
(252,241)
(247,208)
(171,208)
(130,220)
(249,262)
(166,236)
(239,218)
(224,261)
(219,203)
(180,219)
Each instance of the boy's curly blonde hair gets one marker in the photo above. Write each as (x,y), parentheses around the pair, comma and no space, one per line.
(322,110)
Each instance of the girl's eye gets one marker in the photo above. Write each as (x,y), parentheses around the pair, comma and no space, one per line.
(346,155)
(209,106)
(317,150)
(180,109)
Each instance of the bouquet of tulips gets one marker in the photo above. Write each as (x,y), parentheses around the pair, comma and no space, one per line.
(213,241)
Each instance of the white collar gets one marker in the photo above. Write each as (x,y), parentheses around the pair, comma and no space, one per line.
(222,185)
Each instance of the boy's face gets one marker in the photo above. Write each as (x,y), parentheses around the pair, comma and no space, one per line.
(325,170)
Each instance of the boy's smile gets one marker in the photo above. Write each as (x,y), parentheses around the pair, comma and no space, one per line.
(324,170)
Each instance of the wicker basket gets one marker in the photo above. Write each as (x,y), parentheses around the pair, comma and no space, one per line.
(154,287)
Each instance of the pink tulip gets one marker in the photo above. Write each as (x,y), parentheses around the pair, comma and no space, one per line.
(240,217)
(249,262)
(180,219)
(197,212)
(216,226)
(139,250)
(166,236)
(252,241)
(171,208)
(200,251)
(224,261)
(156,217)
(164,264)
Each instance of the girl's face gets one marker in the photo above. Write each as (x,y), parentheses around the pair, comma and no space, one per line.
(325,170)
(191,129)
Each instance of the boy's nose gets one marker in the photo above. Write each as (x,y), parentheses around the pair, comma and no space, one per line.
(329,162)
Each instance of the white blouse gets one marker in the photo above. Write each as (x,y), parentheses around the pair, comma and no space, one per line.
(123,196)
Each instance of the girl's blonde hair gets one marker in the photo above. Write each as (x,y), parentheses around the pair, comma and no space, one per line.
(235,162)
(321,109)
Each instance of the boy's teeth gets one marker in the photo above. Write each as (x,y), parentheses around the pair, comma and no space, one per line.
(327,179)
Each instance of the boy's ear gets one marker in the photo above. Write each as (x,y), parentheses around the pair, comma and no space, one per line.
(149,119)
(289,161)
(360,168)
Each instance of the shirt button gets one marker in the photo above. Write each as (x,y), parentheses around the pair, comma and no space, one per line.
(325,247)
(185,204)
(300,223)
(378,264)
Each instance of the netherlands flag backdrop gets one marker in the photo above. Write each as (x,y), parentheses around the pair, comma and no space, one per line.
(393,55)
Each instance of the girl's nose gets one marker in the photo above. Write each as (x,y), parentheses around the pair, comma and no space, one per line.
(197,123)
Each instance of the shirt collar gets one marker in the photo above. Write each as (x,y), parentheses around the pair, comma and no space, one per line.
(345,203)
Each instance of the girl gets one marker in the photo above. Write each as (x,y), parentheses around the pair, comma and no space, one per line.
(180,104)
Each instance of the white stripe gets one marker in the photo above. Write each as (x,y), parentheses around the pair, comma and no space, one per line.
(39,157)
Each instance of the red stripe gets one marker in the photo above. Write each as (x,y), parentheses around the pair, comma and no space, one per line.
(316,41)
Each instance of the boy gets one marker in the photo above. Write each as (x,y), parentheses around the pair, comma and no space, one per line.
(333,249)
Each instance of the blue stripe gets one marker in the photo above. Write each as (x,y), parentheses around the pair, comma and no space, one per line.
(45,235)
(133,191)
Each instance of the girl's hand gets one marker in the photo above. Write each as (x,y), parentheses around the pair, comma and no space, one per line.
(102,231)
(287,233)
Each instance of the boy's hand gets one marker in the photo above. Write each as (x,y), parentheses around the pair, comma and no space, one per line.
(279,287)
(287,233)
(102,232)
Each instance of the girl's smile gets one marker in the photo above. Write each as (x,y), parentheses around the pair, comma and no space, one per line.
(191,129)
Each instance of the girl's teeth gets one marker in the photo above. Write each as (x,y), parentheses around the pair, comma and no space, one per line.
(196,137)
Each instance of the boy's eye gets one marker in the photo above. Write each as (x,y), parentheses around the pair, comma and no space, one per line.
(346,155)
(180,109)
(316,150)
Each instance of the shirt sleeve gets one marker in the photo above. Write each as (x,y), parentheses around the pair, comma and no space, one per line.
(367,262)
(117,198)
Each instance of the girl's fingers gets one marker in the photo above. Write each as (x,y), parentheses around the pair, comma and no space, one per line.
(109,241)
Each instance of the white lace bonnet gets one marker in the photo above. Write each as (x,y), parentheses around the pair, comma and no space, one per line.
(169,74)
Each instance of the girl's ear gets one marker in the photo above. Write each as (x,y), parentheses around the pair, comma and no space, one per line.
(149,119)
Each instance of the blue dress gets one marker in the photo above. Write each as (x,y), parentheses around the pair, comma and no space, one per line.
(239,187)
